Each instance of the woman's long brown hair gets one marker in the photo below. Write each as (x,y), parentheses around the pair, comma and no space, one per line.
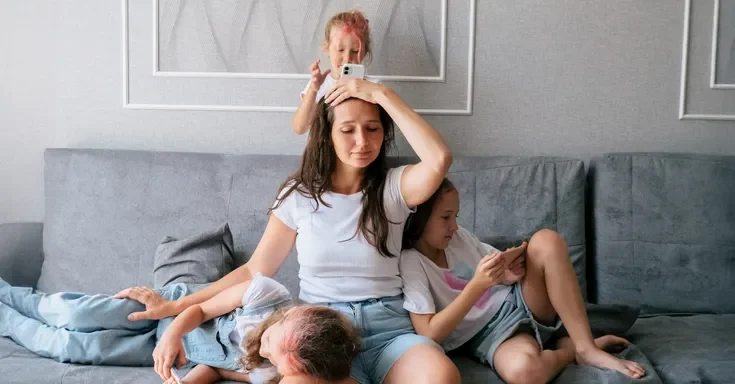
(319,163)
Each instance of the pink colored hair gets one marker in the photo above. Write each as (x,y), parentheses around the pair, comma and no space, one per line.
(320,343)
(351,22)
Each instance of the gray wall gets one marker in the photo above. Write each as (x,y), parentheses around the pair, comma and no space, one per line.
(565,78)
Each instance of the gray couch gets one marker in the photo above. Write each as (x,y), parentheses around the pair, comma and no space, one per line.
(660,234)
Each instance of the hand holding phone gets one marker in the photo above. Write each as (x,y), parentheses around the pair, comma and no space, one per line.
(356,71)
(515,268)
(175,375)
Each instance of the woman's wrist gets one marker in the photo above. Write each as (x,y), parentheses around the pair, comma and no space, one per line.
(175,307)
(383,94)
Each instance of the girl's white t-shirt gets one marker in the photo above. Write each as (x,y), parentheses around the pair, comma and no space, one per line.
(428,288)
(261,293)
(336,263)
(328,83)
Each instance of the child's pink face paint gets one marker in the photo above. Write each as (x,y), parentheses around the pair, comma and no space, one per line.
(345,46)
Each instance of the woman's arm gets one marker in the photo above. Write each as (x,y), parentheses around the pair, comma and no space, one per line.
(273,248)
(170,350)
(419,181)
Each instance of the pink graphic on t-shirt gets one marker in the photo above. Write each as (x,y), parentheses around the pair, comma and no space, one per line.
(459,284)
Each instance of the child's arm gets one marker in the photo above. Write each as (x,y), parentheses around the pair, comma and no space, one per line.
(201,374)
(440,325)
(304,115)
(306,111)
(233,376)
(170,349)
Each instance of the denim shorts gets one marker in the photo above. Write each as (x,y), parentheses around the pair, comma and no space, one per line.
(512,318)
(386,332)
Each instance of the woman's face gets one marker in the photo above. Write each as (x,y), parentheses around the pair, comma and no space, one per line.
(357,132)
(442,224)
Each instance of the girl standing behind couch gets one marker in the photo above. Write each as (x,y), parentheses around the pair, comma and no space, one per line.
(503,310)
(346,41)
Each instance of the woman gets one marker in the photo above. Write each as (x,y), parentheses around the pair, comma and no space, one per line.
(345,211)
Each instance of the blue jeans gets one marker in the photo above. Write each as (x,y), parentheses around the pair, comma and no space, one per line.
(94,329)
(387,332)
(513,317)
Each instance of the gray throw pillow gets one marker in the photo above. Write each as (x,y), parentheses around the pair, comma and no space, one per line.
(198,259)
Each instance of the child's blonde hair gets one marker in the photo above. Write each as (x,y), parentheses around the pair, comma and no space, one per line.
(355,22)
(321,342)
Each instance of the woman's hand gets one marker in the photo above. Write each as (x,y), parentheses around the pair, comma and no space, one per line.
(169,350)
(346,88)
(156,307)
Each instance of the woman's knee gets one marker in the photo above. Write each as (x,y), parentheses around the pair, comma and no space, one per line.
(440,369)
(424,364)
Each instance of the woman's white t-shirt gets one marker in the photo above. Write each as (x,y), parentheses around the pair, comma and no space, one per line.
(336,263)
(428,288)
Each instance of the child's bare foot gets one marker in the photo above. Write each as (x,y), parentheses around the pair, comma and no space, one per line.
(611,343)
(596,357)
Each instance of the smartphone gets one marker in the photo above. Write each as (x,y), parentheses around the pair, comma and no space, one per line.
(511,254)
(176,375)
(353,70)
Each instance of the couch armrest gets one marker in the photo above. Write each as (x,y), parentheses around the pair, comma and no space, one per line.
(21,254)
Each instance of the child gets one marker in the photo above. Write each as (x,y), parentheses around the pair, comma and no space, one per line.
(256,335)
(346,40)
(505,310)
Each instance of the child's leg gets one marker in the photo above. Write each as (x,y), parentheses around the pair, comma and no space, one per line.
(113,347)
(521,360)
(550,287)
(74,311)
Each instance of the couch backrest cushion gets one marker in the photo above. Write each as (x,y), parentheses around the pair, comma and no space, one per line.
(663,231)
(107,210)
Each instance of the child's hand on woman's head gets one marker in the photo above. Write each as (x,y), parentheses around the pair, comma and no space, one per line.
(346,88)
(317,76)
(490,271)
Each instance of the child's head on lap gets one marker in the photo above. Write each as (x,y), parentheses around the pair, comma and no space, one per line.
(347,39)
(435,221)
(304,340)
